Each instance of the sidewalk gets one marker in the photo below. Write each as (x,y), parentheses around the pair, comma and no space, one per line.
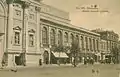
(43,66)
(34,66)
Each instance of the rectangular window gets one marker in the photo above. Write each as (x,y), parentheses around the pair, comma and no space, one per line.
(31,40)
(17,38)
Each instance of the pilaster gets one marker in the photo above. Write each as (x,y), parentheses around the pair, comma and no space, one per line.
(79,41)
(63,32)
(49,41)
(84,44)
(26,36)
(56,37)
(38,29)
(41,26)
(10,26)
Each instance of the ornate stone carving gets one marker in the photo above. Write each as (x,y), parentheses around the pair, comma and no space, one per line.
(17,28)
(37,9)
(25,4)
(31,31)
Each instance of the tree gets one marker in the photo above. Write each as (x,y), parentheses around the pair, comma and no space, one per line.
(74,51)
(59,49)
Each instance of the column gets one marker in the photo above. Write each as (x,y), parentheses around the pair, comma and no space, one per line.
(38,29)
(95,45)
(92,45)
(41,26)
(79,41)
(84,44)
(88,44)
(9,34)
(10,26)
(56,37)
(69,39)
(49,41)
(25,5)
(26,35)
(63,37)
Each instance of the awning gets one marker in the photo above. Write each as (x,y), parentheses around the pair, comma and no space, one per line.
(60,54)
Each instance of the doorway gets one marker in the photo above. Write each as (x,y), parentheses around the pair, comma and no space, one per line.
(46,57)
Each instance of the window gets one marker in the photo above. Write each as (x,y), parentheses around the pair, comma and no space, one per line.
(77,40)
(31,40)
(44,36)
(97,44)
(82,42)
(17,38)
(66,37)
(18,12)
(31,33)
(59,38)
(52,37)
(17,31)
(71,38)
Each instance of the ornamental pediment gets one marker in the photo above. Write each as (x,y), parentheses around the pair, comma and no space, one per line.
(17,28)
(31,31)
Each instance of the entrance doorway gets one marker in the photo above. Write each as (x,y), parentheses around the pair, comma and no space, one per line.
(46,57)
(17,60)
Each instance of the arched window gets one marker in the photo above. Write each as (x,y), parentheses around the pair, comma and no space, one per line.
(52,37)
(59,38)
(82,42)
(31,33)
(77,40)
(71,38)
(17,32)
(44,36)
(66,37)
(97,44)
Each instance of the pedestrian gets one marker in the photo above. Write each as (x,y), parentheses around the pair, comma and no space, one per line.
(92,61)
(40,62)
(85,61)
(3,64)
(14,68)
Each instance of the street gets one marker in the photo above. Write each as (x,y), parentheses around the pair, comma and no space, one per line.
(99,70)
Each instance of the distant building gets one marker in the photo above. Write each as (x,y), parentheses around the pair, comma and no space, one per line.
(110,37)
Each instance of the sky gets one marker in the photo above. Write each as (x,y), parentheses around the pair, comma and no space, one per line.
(91,20)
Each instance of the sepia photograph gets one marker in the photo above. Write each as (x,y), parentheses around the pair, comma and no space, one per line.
(59,38)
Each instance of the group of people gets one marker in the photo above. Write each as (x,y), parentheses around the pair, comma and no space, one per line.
(88,60)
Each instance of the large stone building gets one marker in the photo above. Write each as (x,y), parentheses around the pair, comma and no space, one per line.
(109,41)
(32,28)
(112,38)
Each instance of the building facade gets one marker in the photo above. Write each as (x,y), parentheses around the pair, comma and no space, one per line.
(32,28)
(109,41)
